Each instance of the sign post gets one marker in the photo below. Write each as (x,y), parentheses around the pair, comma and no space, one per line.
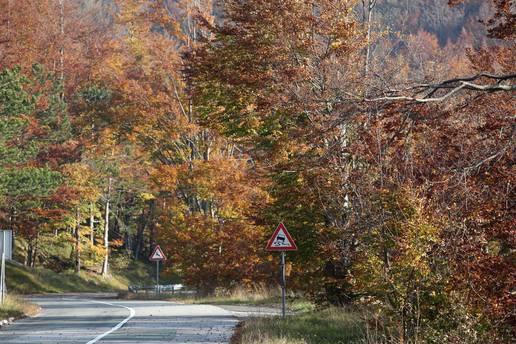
(283,286)
(2,280)
(282,241)
(157,256)
(157,276)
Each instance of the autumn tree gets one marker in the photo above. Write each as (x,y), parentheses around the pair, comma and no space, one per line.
(66,37)
(445,155)
(276,79)
(35,142)
(267,78)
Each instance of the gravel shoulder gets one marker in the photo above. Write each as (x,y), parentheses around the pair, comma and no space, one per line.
(246,311)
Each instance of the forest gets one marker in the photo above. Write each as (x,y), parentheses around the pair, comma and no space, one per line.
(380,132)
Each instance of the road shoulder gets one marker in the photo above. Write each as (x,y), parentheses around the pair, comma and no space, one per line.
(16,308)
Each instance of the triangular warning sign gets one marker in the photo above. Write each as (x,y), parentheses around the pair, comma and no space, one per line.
(157,254)
(281,240)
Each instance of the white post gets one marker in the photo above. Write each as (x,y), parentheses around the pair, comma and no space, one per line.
(2,272)
(2,282)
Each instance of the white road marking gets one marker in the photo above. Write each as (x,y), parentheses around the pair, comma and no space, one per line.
(120,324)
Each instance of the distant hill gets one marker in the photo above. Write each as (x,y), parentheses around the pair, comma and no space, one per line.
(447,23)
(436,17)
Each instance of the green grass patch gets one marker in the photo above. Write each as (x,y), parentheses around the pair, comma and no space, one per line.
(294,304)
(16,307)
(23,280)
(329,326)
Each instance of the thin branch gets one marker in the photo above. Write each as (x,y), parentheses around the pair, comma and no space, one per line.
(471,78)
(419,100)
(456,85)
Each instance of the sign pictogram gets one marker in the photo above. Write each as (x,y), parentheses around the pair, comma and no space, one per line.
(281,240)
(157,255)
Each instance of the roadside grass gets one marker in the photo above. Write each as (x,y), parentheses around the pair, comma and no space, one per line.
(23,280)
(328,326)
(294,304)
(256,296)
(16,307)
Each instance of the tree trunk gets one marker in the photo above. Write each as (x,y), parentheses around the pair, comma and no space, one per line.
(92,225)
(34,253)
(4,58)
(152,237)
(105,265)
(138,245)
(28,257)
(77,242)
(61,48)
(152,228)
(370,9)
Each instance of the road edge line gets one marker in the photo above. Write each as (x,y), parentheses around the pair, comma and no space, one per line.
(132,313)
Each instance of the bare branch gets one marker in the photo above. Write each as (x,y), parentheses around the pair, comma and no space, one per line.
(456,85)
(471,78)
(419,100)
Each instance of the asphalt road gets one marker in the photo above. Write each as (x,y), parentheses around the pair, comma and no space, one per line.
(87,321)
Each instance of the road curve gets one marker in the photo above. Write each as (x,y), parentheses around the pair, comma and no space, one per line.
(93,321)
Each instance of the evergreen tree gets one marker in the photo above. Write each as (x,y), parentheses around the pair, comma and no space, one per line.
(33,128)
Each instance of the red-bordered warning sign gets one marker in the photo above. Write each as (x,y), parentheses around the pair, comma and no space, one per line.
(157,254)
(281,240)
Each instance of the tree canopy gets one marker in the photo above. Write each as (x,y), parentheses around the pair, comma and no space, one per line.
(380,132)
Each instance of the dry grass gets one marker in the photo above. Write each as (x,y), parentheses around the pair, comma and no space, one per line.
(258,295)
(16,307)
(330,326)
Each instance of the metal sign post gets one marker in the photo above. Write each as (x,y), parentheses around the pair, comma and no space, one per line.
(157,275)
(283,286)
(157,256)
(282,241)
(2,280)
(3,287)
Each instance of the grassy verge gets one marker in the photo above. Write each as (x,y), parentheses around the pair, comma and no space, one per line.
(329,326)
(16,307)
(24,280)
(295,304)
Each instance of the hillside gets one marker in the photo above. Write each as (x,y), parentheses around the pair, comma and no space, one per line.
(447,23)
(23,280)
